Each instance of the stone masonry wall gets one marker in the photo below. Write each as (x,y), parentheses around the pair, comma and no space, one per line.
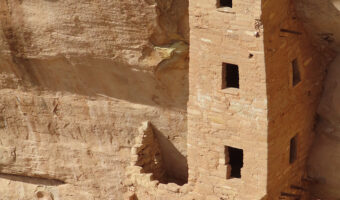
(147,153)
(324,157)
(229,117)
(291,109)
(78,79)
(322,19)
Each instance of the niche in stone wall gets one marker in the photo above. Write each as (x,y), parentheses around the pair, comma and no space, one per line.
(293,150)
(296,72)
(224,3)
(234,161)
(157,157)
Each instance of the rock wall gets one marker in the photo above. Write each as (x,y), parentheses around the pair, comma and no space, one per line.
(322,19)
(295,71)
(77,79)
(324,159)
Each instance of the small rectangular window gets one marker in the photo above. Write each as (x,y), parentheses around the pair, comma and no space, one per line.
(224,3)
(293,150)
(230,76)
(296,72)
(234,158)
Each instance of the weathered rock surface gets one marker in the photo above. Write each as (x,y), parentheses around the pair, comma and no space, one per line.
(77,79)
(324,160)
(322,19)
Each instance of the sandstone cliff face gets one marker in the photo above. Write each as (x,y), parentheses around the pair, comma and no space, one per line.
(322,19)
(324,158)
(77,79)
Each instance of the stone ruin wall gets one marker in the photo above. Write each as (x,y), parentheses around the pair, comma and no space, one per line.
(77,88)
(291,107)
(322,20)
(226,117)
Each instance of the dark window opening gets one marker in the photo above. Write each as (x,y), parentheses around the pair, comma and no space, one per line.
(293,150)
(296,72)
(234,158)
(225,3)
(230,76)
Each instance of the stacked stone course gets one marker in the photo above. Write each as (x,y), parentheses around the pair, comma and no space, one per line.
(265,112)
(76,86)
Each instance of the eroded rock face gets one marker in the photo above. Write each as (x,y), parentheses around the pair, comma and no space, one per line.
(124,31)
(77,79)
(7,155)
(324,158)
(322,19)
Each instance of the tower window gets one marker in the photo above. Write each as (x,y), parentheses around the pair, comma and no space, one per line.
(230,76)
(293,150)
(234,158)
(225,3)
(296,72)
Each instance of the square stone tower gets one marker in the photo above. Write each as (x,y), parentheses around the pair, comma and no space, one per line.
(255,80)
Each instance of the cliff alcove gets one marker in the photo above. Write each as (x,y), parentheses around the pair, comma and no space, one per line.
(77,79)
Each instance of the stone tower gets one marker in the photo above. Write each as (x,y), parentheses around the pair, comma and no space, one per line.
(254,85)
